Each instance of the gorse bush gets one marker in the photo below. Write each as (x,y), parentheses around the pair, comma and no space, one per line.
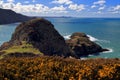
(57,68)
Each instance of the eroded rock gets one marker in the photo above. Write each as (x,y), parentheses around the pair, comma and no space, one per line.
(81,45)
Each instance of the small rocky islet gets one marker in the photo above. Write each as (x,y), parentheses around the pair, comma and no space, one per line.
(39,37)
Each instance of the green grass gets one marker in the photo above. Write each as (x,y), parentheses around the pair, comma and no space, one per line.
(24,48)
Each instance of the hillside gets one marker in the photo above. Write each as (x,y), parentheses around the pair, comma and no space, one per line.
(8,16)
(36,36)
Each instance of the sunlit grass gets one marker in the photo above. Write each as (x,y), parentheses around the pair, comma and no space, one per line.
(23,48)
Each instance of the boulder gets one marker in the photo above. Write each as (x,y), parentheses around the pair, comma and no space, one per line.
(82,46)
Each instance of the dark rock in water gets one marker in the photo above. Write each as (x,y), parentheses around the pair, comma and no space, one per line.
(81,45)
(42,35)
(105,50)
(8,16)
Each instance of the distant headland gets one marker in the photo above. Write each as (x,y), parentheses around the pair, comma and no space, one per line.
(8,16)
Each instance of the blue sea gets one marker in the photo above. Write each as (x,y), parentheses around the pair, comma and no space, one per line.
(103,31)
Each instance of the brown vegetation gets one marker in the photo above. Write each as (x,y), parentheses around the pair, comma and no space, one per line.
(57,68)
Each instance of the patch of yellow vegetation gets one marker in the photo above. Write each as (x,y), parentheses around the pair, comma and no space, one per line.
(58,68)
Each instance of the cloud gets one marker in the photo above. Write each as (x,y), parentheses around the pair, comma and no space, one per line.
(77,7)
(8,5)
(38,8)
(116,7)
(100,2)
(93,6)
(33,8)
(101,8)
(20,8)
(23,8)
(59,9)
(1,2)
(62,2)
(70,4)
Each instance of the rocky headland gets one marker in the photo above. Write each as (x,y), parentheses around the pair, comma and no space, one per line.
(39,37)
(39,34)
(8,16)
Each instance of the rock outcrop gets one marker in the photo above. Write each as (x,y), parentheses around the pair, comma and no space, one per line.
(8,16)
(82,46)
(42,35)
(39,36)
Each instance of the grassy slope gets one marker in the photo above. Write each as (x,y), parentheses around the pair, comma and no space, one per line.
(57,68)
(23,48)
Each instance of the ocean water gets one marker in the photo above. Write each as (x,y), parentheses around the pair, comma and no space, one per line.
(103,31)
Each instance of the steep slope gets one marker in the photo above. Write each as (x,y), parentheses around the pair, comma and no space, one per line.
(41,35)
(9,16)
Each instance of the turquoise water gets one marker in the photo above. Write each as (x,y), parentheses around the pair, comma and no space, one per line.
(104,31)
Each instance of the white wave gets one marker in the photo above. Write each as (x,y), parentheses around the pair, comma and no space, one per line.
(67,36)
(110,50)
(95,39)
(92,38)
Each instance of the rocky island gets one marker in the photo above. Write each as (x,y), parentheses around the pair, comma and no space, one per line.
(39,37)
(81,45)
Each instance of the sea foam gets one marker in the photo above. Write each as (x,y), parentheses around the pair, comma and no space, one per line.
(95,39)
(92,38)
(67,37)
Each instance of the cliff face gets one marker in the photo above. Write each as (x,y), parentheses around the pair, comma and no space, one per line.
(9,16)
(42,35)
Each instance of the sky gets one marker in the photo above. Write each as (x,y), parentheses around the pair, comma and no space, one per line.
(74,8)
